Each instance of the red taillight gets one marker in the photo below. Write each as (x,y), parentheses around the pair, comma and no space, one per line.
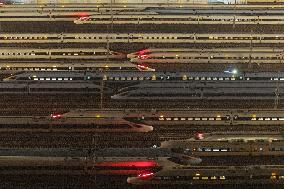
(142,66)
(143,57)
(55,116)
(199,136)
(146,175)
(142,52)
(83,18)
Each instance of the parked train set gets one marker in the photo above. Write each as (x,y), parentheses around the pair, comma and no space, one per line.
(230,145)
(130,76)
(238,38)
(210,56)
(150,85)
(183,117)
(212,175)
(63,123)
(60,54)
(142,19)
(130,120)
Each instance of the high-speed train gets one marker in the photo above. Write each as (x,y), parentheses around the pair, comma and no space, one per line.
(216,10)
(60,54)
(211,56)
(52,86)
(213,175)
(237,90)
(186,117)
(69,122)
(11,2)
(238,38)
(110,161)
(231,145)
(130,76)
(18,67)
(158,19)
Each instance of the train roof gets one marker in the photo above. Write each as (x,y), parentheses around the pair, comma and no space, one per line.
(108,152)
(241,137)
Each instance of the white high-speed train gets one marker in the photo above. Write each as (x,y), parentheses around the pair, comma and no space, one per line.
(212,56)
(65,53)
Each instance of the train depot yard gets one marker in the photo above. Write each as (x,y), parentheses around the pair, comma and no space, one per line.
(135,94)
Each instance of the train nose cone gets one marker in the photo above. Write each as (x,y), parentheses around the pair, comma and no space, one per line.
(114,97)
(196,160)
(150,128)
(129,56)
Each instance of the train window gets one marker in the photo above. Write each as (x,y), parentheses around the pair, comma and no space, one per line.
(175,119)
(168,119)
(182,119)
(222,177)
(190,118)
(208,78)
(161,119)
(253,119)
(232,78)
(267,119)
(197,119)
(218,119)
(41,79)
(195,178)
(211,119)
(204,119)
(53,79)
(47,79)
(274,119)
(260,119)
(281,119)
(59,79)
(221,78)
(35,78)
